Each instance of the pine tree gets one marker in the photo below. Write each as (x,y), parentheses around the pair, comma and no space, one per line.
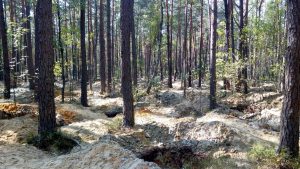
(126,5)
(289,128)
(84,75)
(6,70)
(102,49)
(45,53)
(213,46)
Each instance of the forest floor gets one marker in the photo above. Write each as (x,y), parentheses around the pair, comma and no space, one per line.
(172,131)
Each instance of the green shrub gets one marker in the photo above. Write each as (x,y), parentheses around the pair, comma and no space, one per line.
(115,125)
(56,142)
(266,156)
(212,163)
(138,95)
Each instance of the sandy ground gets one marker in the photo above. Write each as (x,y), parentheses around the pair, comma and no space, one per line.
(90,124)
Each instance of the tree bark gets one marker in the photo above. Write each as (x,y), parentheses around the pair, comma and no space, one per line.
(128,108)
(242,74)
(6,69)
(108,43)
(184,59)
(169,46)
(230,6)
(90,32)
(190,46)
(61,53)
(45,52)
(179,54)
(74,54)
(227,28)
(29,47)
(133,49)
(289,128)
(113,42)
(201,46)
(160,35)
(102,49)
(212,67)
(84,75)
(95,42)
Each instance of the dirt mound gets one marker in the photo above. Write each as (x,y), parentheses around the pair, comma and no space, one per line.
(175,158)
(9,111)
(18,129)
(99,155)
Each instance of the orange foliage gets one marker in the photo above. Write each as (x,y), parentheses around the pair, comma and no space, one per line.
(144,111)
(68,116)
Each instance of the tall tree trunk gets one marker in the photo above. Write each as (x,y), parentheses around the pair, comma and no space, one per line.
(169,46)
(6,70)
(61,52)
(227,29)
(14,54)
(201,46)
(241,28)
(90,32)
(45,52)
(171,39)
(190,46)
(230,6)
(179,53)
(133,49)
(242,75)
(84,75)
(95,42)
(113,43)
(102,49)
(160,41)
(108,46)
(74,56)
(289,128)
(29,47)
(212,67)
(185,47)
(245,39)
(126,5)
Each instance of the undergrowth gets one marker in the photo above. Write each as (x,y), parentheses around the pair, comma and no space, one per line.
(56,142)
(266,157)
(115,125)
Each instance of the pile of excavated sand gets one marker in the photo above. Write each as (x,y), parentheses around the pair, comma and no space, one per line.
(99,155)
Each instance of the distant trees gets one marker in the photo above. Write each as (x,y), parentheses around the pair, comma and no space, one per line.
(45,53)
(61,53)
(243,51)
(259,47)
(289,130)
(6,69)
(126,6)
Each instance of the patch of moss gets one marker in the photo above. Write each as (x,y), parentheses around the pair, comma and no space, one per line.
(265,156)
(56,142)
